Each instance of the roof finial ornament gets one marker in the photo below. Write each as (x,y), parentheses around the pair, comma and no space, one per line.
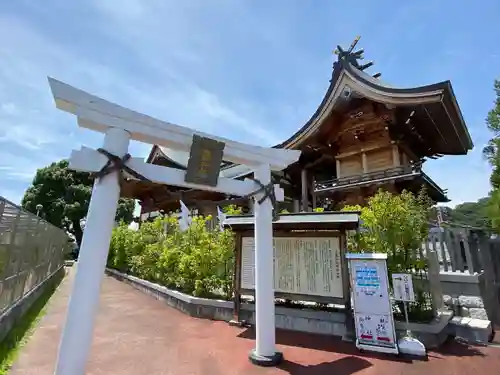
(353,58)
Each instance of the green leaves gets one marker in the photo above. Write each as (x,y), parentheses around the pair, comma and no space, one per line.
(493,118)
(65,196)
(198,261)
(493,209)
(492,154)
(396,225)
(232,209)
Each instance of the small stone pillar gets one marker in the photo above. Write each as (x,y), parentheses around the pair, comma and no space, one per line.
(434,281)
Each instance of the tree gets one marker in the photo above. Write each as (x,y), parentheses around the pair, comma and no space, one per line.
(492,153)
(64,196)
(397,224)
(474,214)
(467,214)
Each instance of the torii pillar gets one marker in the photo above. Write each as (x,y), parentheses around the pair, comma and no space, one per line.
(265,353)
(78,331)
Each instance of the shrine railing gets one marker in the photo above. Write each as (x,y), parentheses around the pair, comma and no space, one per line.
(370,177)
(31,250)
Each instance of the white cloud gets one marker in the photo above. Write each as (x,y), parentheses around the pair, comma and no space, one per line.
(168,37)
(15,166)
(34,133)
(9,109)
(35,57)
(224,67)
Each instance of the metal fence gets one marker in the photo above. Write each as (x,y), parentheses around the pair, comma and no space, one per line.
(31,250)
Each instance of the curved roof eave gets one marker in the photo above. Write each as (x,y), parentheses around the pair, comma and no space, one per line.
(175,157)
(344,74)
(369,88)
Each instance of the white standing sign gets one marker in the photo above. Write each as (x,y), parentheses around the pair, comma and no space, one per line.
(402,284)
(120,125)
(373,317)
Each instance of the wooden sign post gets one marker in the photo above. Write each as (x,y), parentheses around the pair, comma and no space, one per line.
(307,259)
(402,284)
(120,125)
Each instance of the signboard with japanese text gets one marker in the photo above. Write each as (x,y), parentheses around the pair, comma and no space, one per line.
(372,307)
(204,161)
(402,284)
(302,265)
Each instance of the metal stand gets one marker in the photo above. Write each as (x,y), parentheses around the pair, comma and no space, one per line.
(409,344)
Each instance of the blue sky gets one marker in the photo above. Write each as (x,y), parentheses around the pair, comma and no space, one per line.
(253,70)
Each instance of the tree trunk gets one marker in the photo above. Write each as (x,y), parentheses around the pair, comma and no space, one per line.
(77,232)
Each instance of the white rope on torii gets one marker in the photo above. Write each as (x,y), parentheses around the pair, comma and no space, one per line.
(120,125)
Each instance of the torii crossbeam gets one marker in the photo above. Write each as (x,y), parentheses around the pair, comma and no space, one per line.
(120,125)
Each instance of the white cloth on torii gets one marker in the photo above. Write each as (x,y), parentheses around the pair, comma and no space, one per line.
(184,218)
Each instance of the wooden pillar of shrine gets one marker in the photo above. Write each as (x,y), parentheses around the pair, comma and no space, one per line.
(305,190)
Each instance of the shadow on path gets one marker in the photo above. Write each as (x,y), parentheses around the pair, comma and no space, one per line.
(343,366)
(325,343)
(451,348)
(454,348)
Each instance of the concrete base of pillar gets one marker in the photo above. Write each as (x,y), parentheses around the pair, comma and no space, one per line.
(239,323)
(265,361)
(349,336)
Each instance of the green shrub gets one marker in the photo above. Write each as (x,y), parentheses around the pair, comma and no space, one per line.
(396,224)
(198,261)
(232,209)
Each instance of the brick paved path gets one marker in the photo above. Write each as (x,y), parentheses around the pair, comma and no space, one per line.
(139,335)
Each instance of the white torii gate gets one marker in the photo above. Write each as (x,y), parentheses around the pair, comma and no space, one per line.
(120,125)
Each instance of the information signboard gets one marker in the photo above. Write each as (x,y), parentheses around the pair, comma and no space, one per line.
(402,284)
(372,307)
(302,265)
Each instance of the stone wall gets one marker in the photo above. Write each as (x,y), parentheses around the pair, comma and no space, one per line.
(470,322)
(460,283)
(302,320)
(466,306)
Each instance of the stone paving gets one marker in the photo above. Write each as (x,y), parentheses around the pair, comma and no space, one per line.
(136,334)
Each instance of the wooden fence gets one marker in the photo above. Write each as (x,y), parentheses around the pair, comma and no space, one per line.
(490,283)
(458,249)
(30,250)
(467,251)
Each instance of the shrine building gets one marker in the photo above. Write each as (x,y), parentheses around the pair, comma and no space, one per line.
(365,135)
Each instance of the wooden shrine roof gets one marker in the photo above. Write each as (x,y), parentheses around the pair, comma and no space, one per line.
(155,196)
(330,220)
(433,109)
(436,110)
